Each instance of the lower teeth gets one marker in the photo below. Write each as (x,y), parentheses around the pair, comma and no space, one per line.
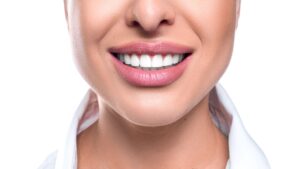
(151,68)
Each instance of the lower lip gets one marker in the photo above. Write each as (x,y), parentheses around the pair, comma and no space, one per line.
(150,78)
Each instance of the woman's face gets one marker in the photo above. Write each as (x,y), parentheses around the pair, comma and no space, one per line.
(149,34)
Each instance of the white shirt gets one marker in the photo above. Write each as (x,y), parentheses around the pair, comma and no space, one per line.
(244,153)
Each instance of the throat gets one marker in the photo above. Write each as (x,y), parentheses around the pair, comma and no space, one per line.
(191,142)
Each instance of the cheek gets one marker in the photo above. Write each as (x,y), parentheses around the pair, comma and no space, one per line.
(214,24)
(211,20)
(96,18)
(216,29)
(89,22)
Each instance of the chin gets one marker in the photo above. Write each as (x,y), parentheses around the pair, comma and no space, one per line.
(153,116)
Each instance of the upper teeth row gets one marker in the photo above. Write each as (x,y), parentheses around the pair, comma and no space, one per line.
(146,61)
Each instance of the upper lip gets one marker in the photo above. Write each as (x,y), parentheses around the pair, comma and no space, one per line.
(151,48)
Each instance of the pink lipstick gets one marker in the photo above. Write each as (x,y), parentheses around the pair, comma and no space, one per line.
(151,64)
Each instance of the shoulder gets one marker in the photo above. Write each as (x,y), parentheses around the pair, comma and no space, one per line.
(49,162)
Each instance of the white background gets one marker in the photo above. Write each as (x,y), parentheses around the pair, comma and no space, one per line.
(40,87)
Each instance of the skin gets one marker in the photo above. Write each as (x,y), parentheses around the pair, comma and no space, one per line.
(163,127)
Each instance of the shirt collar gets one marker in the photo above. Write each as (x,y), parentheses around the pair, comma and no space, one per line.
(244,153)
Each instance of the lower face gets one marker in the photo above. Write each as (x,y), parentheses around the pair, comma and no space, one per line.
(99,32)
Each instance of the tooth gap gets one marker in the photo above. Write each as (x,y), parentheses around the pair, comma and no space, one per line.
(185,56)
(115,55)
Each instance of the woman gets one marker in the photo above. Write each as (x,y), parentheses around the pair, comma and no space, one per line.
(154,103)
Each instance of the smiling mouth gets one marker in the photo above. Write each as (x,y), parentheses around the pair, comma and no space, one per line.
(150,62)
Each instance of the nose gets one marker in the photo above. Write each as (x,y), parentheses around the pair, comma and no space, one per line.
(149,15)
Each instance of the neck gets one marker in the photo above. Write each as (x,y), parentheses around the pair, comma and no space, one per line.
(191,142)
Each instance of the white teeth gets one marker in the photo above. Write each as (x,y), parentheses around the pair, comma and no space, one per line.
(157,61)
(135,61)
(175,59)
(147,62)
(180,58)
(168,61)
(121,57)
(127,59)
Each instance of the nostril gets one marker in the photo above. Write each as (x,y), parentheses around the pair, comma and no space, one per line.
(135,24)
(165,22)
